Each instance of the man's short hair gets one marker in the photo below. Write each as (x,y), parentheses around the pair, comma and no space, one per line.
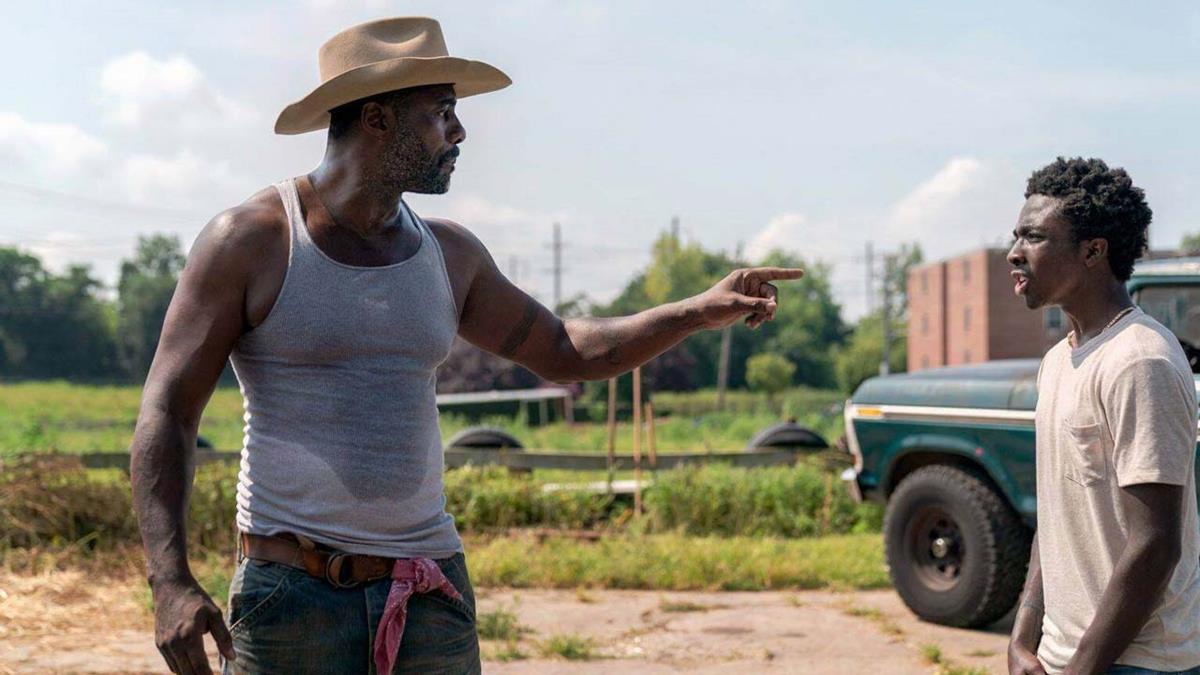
(1099,203)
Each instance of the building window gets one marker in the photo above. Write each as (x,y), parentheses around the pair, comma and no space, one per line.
(966,319)
(925,281)
(924,324)
(966,272)
(967,356)
(1054,319)
(924,361)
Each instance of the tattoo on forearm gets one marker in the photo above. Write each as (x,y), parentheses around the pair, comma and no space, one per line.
(612,345)
(521,332)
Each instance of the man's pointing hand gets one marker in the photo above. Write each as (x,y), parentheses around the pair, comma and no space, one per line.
(745,293)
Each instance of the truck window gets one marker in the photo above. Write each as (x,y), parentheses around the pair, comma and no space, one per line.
(1177,308)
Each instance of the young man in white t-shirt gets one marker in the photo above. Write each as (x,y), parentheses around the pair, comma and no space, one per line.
(1114,575)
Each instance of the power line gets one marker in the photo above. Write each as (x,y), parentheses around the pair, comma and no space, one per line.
(70,200)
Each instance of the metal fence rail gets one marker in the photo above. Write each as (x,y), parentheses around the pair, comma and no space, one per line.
(521,459)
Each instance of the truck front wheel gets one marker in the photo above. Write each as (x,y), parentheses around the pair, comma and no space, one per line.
(956,552)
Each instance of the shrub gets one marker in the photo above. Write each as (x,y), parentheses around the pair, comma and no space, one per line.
(769,372)
(797,501)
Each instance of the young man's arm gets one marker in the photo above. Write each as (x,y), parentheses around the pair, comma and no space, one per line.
(1027,627)
(1153,513)
(502,319)
(203,322)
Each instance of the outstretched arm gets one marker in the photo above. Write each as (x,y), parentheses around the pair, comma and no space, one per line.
(502,319)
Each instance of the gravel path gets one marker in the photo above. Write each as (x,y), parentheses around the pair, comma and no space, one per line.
(61,623)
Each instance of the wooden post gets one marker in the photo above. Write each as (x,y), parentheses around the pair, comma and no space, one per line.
(723,367)
(637,441)
(612,429)
(651,446)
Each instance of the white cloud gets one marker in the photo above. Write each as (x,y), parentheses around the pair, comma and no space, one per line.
(967,204)
(186,178)
(785,231)
(138,90)
(45,150)
(931,198)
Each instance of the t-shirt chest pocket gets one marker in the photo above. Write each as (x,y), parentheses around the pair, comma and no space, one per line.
(1083,449)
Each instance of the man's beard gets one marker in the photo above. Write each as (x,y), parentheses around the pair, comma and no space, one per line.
(408,167)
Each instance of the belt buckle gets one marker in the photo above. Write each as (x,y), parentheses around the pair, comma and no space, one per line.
(333,571)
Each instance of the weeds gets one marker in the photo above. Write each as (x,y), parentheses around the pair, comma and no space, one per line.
(932,654)
(568,646)
(685,606)
(678,563)
(500,624)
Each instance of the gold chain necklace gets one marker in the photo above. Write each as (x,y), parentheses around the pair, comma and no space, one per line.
(1073,338)
(1116,318)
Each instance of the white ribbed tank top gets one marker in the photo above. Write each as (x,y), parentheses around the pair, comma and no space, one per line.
(341,437)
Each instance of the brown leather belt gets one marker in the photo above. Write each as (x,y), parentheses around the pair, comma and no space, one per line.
(341,570)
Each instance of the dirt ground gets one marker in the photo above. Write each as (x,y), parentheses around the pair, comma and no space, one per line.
(63,623)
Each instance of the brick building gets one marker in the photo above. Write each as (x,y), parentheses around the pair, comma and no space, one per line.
(963,310)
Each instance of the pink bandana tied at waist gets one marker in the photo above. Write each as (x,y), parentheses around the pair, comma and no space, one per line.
(409,575)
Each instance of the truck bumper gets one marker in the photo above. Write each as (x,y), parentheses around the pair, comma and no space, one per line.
(850,478)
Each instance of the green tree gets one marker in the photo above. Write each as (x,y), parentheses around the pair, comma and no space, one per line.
(809,321)
(859,358)
(769,372)
(144,290)
(52,326)
(807,325)
(1190,244)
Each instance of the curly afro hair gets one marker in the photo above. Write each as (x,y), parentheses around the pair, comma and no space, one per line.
(1099,203)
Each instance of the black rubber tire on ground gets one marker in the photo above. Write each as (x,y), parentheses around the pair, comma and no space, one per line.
(483,438)
(787,435)
(993,551)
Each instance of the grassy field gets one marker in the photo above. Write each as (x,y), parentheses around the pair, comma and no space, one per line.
(712,527)
(71,418)
(677,562)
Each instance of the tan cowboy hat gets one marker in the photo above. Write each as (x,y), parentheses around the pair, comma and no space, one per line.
(380,56)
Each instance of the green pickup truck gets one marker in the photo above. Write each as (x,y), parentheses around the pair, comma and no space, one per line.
(951,453)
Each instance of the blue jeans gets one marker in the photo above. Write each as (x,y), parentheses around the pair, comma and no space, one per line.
(1135,670)
(285,621)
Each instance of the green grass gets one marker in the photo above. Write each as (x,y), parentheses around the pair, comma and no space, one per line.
(679,563)
(569,647)
(500,624)
(509,651)
(684,606)
(932,654)
(71,418)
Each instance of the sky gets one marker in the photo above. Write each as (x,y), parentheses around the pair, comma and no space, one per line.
(814,127)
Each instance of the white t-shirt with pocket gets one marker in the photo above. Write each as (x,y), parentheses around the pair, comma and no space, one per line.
(1118,411)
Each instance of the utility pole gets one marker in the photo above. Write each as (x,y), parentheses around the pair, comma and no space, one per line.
(514,269)
(870,261)
(885,365)
(726,339)
(557,245)
(675,228)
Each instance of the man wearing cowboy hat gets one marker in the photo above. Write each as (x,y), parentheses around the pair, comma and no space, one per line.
(336,303)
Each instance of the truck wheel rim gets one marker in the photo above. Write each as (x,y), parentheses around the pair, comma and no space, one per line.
(935,545)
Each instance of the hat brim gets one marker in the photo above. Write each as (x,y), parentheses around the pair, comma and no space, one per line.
(312,112)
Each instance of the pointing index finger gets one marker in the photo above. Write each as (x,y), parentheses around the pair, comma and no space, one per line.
(776,273)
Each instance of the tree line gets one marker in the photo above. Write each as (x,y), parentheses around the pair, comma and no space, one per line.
(67,326)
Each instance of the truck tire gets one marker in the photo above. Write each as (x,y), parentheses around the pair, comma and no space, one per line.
(956,552)
(484,438)
(787,435)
